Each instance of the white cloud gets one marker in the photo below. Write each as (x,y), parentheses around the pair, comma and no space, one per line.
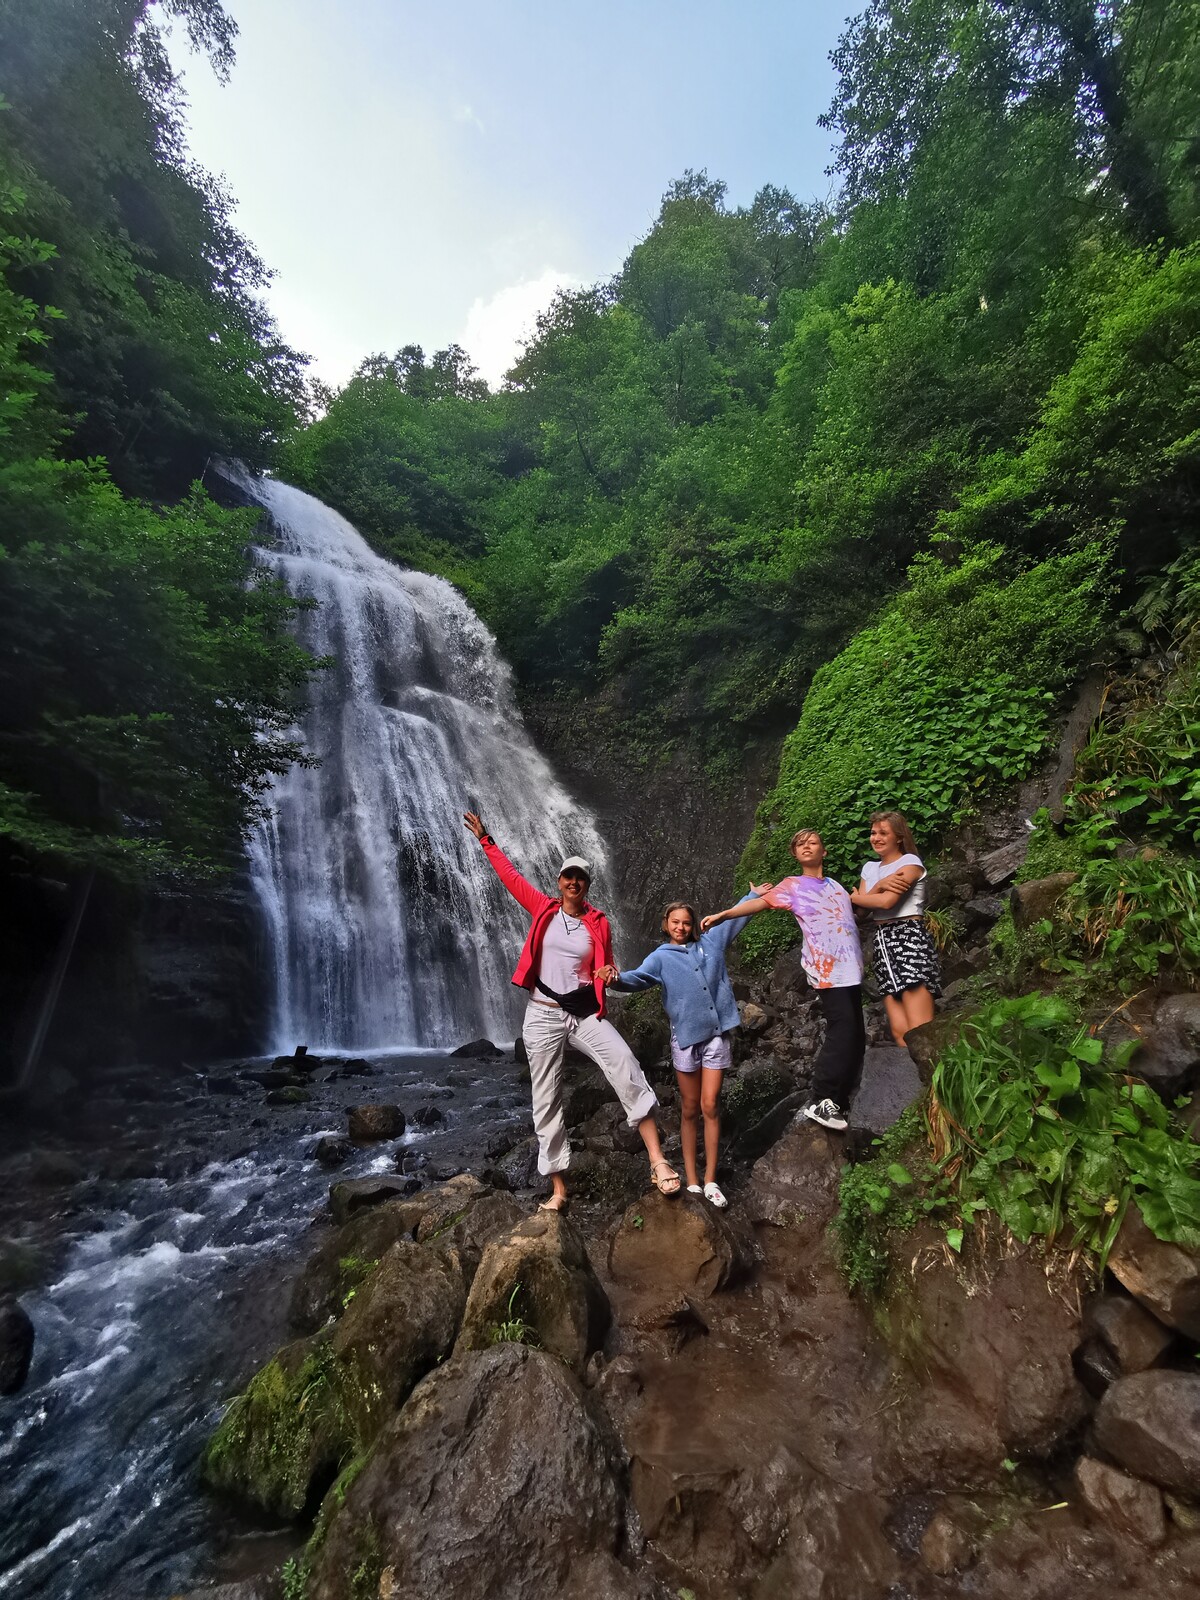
(495,329)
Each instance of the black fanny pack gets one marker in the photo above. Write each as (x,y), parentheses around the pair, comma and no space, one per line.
(579,1003)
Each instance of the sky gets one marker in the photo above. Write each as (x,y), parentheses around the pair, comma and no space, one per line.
(430,172)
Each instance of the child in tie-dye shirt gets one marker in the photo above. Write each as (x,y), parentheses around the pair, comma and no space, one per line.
(831,955)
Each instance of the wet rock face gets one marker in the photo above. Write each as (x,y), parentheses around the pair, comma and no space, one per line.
(495,1477)
(539,1277)
(1135,1339)
(797,1180)
(1131,1506)
(16,1346)
(1164,1277)
(668,1247)
(992,1364)
(1150,1425)
(1170,1061)
(1033,901)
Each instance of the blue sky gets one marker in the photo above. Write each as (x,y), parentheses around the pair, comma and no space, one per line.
(429,172)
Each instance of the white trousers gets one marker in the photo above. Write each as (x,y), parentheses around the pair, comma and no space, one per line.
(545,1031)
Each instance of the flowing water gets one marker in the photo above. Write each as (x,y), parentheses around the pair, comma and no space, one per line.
(172,1259)
(184,1205)
(387,926)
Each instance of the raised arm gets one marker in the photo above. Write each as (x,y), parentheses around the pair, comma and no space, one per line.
(643,977)
(520,888)
(723,935)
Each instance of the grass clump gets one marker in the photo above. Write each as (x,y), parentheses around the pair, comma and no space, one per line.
(515,1328)
(886,1196)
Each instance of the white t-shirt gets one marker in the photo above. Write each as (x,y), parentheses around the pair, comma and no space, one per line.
(566,954)
(910,905)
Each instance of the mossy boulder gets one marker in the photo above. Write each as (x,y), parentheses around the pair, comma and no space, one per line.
(323,1400)
(749,1094)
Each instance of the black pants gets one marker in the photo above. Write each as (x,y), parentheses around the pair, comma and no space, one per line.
(838,1069)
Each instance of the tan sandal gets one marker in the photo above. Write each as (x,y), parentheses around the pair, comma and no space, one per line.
(668,1184)
(556,1202)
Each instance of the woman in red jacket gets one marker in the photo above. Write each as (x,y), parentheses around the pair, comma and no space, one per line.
(568,943)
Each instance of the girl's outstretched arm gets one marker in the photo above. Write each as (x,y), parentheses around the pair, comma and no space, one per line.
(744,908)
(722,936)
(643,977)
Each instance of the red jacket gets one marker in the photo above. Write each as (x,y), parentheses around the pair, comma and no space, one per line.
(543,906)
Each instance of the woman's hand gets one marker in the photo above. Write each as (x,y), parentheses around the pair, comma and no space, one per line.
(607,975)
(473,824)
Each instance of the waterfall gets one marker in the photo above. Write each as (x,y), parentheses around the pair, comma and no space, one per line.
(386,925)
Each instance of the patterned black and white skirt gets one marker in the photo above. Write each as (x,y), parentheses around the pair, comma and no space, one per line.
(904,957)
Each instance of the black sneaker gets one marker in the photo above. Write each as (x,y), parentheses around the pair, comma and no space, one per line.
(828,1113)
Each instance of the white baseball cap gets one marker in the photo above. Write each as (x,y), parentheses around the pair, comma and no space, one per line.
(578,864)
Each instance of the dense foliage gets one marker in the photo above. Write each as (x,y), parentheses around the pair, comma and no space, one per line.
(706,475)
(148,678)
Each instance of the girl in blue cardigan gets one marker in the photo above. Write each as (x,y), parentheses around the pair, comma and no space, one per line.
(699,1002)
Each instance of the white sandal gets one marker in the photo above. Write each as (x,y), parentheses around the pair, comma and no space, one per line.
(694,1188)
(714,1196)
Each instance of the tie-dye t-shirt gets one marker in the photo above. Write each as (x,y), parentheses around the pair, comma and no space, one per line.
(831,954)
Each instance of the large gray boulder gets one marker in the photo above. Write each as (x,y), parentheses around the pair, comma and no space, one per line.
(1170,1059)
(671,1247)
(496,1479)
(537,1280)
(1150,1425)
(1135,1339)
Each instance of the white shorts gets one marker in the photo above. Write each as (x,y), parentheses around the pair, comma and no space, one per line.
(713,1054)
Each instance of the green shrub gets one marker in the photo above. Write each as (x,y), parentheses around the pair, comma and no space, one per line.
(948,696)
(885,1196)
(1035,1119)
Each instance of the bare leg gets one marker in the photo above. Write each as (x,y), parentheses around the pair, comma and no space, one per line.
(918,1007)
(897,1020)
(689,1120)
(710,1097)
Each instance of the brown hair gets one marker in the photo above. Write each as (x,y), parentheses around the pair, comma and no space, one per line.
(898,823)
(681,905)
(804,833)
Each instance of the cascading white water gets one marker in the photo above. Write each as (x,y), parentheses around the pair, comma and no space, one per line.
(387,926)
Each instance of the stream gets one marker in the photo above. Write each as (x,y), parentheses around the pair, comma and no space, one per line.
(174,1215)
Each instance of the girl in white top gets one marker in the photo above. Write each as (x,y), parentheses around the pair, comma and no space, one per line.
(892,889)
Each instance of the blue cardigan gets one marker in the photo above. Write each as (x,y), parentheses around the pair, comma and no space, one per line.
(697,993)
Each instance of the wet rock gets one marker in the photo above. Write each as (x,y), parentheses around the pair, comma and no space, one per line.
(369,1123)
(667,1247)
(345,1256)
(584,1096)
(1170,1061)
(754,1141)
(606,1176)
(356,1194)
(496,1475)
(539,1277)
(926,1043)
(1150,1425)
(1164,1277)
(323,1400)
(21,1265)
(224,1083)
(945,1547)
(994,1374)
(999,865)
(293,1095)
(890,1084)
(472,1225)
(428,1116)
(356,1067)
(519,1166)
(1035,900)
(1131,1506)
(788,980)
(332,1151)
(938,893)
(750,1093)
(444,1207)
(272,1078)
(16,1346)
(478,1049)
(268,1588)
(1136,1339)
(796,1182)
(1095,1366)
(985,908)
